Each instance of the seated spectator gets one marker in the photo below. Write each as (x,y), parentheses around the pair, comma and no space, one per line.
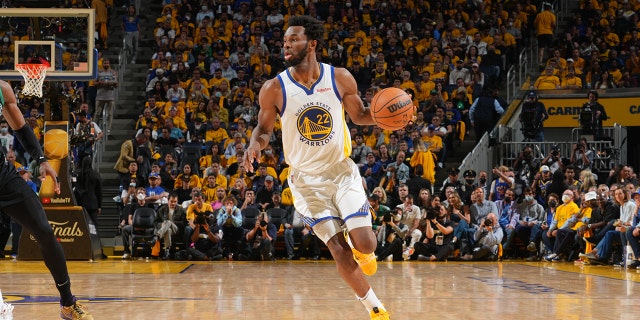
(390,236)
(166,143)
(261,175)
(219,179)
(508,217)
(628,210)
(154,86)
(215,133)
(170,223)
(567,234)
(147,120)
(249,199)
(547,80)
(155,192)
(487,238)
(309,243)
(438,242)
(206,242)
(562,213)
(196,206)
(126,224)
(210,157)
(411,215)
(532,217)
(216,199)
(570,81)
(371,171)
(187,179)
(260,240)
(264,195)
(197,130)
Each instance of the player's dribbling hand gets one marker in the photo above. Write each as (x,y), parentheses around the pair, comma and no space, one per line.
(250,155)
(47,170)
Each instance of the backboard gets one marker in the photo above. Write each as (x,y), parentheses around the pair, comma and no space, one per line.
(64,37)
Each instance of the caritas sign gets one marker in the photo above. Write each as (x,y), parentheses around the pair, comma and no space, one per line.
(72,228)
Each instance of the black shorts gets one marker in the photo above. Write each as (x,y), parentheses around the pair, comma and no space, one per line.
(545,40)
(13,188)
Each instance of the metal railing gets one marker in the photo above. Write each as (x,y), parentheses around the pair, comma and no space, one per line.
(517,75)
(480,158)
(605,155)
(511,83)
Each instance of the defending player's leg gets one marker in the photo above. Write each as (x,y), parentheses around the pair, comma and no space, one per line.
(30,214)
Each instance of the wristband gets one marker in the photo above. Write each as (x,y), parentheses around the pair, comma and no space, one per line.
(41,159)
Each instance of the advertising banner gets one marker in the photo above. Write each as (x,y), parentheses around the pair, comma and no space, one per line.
(563,113)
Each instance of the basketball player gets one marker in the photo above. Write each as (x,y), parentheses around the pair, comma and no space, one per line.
(325,182)
(23,206)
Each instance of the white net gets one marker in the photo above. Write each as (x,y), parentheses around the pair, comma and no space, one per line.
(33,75)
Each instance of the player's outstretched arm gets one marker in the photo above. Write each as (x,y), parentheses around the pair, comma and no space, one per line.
(24,133)
(348,89)
(270,99)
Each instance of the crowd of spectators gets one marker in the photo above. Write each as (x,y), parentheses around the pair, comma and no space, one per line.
(210,61)
(599,49)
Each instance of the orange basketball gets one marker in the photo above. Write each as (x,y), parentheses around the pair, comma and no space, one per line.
(392,108)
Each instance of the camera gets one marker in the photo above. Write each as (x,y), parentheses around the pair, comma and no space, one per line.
(263,223)
(432,213)
(386,218)
(200,219)
(488,222)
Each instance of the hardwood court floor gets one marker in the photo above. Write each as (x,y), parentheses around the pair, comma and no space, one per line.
(115,289)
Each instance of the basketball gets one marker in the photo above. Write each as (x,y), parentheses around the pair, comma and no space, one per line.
(391,108)
(56,144)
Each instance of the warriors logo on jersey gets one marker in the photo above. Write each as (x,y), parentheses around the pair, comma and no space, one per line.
(315,124)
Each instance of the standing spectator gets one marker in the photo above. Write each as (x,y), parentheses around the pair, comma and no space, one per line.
(482,113)
(591,116)
(106,96)
(88,190)
(86,134)
(131,28)
(532,116)
(128,153)
(544,23)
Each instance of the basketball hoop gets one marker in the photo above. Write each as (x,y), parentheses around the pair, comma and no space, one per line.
(33,75)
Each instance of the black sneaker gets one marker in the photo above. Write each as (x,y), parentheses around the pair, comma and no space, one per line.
(634,265)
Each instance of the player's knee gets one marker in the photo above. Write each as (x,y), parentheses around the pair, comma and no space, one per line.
(363,239)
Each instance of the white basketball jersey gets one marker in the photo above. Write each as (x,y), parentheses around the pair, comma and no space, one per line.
(314,132)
